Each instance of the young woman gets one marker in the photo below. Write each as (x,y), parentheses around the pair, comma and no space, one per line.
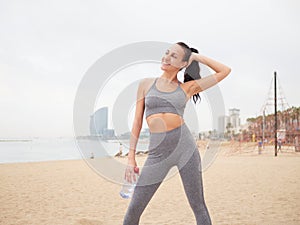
(163,99)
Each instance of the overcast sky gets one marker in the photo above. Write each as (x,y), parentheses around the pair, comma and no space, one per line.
(47,46)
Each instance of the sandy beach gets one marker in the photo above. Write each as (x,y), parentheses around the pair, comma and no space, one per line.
(240,187)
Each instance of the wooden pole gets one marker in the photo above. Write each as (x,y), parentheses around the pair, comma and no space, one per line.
(263,131)
(275,105)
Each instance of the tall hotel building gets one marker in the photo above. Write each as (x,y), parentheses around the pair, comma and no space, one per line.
(233,120)
(98,122)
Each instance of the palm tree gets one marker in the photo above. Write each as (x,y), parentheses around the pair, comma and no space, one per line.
(228,128)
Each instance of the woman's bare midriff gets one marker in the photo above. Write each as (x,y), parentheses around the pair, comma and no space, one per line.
(162,122)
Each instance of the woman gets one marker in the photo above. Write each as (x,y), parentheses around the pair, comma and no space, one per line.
(171,143)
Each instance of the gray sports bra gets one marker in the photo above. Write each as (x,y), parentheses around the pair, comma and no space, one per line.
(157,101)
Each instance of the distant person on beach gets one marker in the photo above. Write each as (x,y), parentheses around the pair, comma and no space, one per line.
(207,146)
(279,144)
(260,145)
(163,99)
(297,147)
(92,155)
(120,153)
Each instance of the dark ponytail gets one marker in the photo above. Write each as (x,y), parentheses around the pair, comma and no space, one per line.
(192,72)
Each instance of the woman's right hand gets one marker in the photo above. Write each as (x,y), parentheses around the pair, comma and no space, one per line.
(191,59)
(129,172)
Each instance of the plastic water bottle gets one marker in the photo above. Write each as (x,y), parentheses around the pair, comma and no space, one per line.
(128,188)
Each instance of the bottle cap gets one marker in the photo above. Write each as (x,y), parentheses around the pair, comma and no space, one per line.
(136,169)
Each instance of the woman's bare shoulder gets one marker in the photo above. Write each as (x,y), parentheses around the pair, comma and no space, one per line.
(146,83)
(147,80)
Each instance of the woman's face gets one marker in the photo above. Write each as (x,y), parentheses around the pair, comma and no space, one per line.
(172,60)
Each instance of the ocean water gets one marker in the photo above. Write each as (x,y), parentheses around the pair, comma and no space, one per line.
(47,149)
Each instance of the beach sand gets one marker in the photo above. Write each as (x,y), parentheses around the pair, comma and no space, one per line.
(240,187)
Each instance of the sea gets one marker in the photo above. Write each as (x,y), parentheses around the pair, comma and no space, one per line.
(47,149)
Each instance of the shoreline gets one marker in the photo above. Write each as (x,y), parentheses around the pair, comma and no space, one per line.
(227,149)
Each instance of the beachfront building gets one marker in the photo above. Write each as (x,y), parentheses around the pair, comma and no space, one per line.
(98,122)
(145,133)
(230,125)
(108,133)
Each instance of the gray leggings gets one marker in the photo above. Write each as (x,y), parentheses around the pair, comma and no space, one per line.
(176,147)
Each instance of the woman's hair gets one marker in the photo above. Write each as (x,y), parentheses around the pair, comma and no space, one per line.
(192,72)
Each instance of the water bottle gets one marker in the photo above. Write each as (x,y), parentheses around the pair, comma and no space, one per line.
(128,188)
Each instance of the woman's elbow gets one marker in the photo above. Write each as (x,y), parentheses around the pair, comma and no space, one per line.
(138,122)
(227,70)
(224,73)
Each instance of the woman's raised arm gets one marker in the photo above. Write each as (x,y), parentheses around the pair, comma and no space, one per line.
(196,86)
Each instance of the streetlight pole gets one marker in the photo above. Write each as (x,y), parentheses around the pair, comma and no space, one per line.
(275,108)
(263,130)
